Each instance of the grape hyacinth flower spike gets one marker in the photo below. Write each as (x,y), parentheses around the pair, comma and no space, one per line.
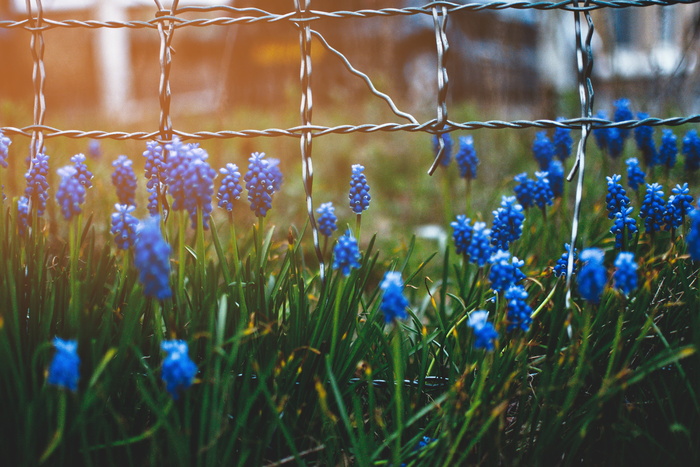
(601,134)
(447,152)
(199,183)
(156,176)
(625,276)
(22,215)
(359,190)
(4,146)
(346,254)
(543,194)
(543,150)
(518,310)
(393,303)
(124,226)
(83,173)
(562,142)
(484,332)
(691,150)
(505,271)
(679,205)
(71,193)
(624,227)
(616,197)
(669,149)
(525,190)
(466,158)
(37,185)
(462,233)
(327,219)
(693,237)
(556,178)
(230,188)
(64,367)
(562,264)
(480,248)
(124,180)
(507,223)
(644,137)
(178,369)
(623,113)
(653,207)
(94,149)
(152,259)
(635,176)
(259,184)
(592,276)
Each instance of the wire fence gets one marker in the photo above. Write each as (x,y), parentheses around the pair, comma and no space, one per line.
(168,20)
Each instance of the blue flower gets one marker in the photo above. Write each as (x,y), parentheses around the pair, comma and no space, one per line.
(94,149)
(462,233)
(556,178)
(84,175)
(178,369)
(592,276)
(230,189)
(4,145)
(562,142)
(124,180)
(625,276)
(124,226)
(22,215)
(199,180)
(359,190)
(616,198)
(447,153)
(693,237)
(653,207)
(37,185)
(484,331)
(152,259)
(525,190)
(543,150)
(669,148)
(275,174)
(542,194)
(615,142)
(346,254)
(259,183)
(518,310)
(393,304)
(179,156)
(644,137)
(691,150)
(479,249)
(507,223)
(505,271)
(623,113)
(64,367)
(71,193)
(155,166)
(562,264)
(327,219)
(635,175)
(601,134)
(679,204)
(466,158)
(624,222)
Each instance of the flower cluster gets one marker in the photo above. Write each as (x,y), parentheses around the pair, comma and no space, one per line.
(447,152)
(617,198)
(64,367)
(479,249)
(507,223)
(668,149)
(484,332)
(22,215)
(462,233)
(124,180)
(693,238)
(466,158)
(679,205)
(505,271)
(178,159)
(199,180)
(259,183)
(644,137)
(230,188)
(624,224)
(622,113)
(543,150)
(4,146)
(346,254)
(124,226)
(562,264)
(156,174)
(178,370)
(625,276)
(394,303)
(691,150)
(592,276)
(556,178)
(562,142)
(653,207)
(635,175)
(518,310)
(359,190)
(82,172)
(37,184)
(71,193)
(524,190)
(94,149)
(542,194)
(327,219)
(275,174)
(152,259)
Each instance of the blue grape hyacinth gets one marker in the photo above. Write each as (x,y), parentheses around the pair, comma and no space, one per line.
(22,215)
(679,205)
(543,150)
(625,276)
(178,369)
(562,264)
(346,254)
(635,175)
(359,190)
(624,225)
(230,188)
(276,174)
(601,134)
(668,151)
(518,310)
(327,220)
(94,149)
(525,190)
(466,158)
(542,195)
(447,153)
(393,303)
(693,237)
(199,180)
(37,184)
(691,150)
(4,147)
(259,184)
(64,369)
(156,174)
(507,223)
(152,259)
(644,137)
(462,233)
(562,142)
(616,143)
(616,198)
(82,172)
(556,178)
(653,207)
(484,332)
(480,249)
(505,271)
(623,113)
(124,180)
(592,276)
(71,193)
(124,226)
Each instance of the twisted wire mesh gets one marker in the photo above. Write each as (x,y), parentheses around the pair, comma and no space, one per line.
(167,21)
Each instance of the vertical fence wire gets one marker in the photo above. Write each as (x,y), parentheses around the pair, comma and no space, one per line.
(440,26)
(38,76)
(166,37)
